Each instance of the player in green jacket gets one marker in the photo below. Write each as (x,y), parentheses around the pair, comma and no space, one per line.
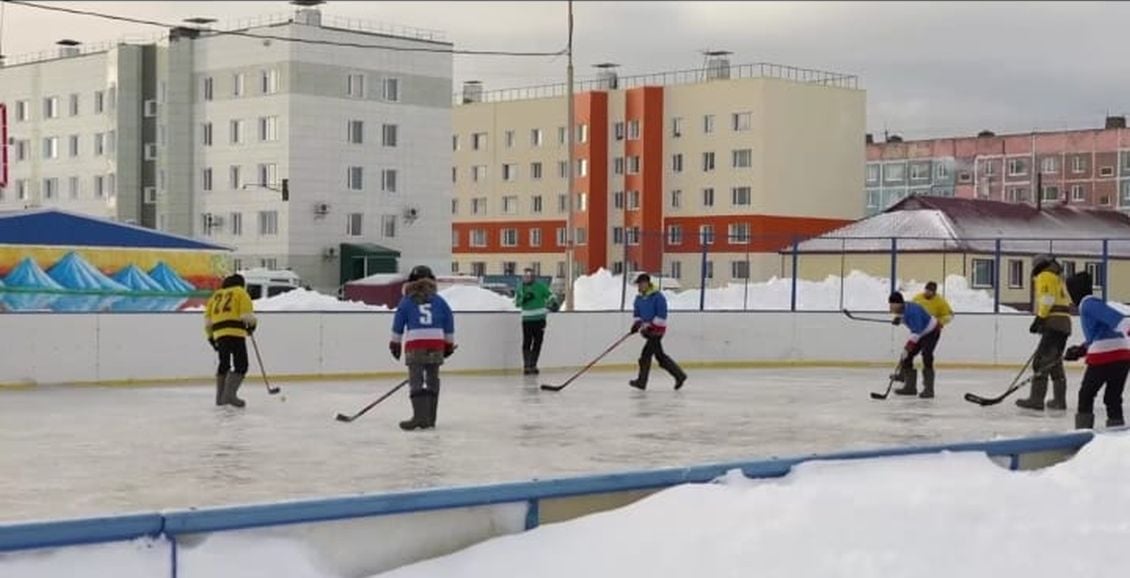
(533,298)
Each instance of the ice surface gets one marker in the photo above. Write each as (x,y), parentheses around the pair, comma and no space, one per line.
(934,516)
(70,451)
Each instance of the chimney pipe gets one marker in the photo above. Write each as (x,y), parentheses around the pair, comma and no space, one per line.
(1116,121)
(472,91)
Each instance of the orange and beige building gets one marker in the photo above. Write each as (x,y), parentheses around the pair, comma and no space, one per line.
(741,158)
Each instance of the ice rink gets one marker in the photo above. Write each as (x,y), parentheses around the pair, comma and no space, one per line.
(70,451)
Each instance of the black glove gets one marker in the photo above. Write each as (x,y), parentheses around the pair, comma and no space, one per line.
(251,327)
(212,342)
(394,349)
(897,320)
(448,350)
(1037,325)
(636,327)
(1075,352)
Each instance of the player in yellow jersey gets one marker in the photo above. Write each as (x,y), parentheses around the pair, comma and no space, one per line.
(1053,324)
(939,309)
(228,319)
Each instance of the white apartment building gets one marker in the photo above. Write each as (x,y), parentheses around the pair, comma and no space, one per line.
(721,166)
(200,132)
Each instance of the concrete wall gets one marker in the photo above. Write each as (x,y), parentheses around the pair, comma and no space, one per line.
(84,348)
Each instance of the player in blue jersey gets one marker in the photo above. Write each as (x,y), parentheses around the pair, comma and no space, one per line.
(424,330)
(924,333)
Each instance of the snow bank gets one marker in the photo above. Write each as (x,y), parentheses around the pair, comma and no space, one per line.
(306,300)
(859,291)
(469,298)
(935,516)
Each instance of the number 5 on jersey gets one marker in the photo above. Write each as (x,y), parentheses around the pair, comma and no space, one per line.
(426,314)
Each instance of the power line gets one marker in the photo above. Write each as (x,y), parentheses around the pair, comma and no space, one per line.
(241,33)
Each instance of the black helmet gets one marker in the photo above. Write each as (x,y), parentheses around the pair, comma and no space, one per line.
(235,280)
(421,272)
(1079,286)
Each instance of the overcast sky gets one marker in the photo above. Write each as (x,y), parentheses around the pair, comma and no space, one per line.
(930,69)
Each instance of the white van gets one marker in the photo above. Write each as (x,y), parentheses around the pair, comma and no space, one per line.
(268,283)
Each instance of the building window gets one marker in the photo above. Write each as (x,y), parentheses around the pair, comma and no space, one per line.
(206,134)
(508,136)
(355,85)
(51,107)
(618,130)
(236,220)
(535,171)
(51,147)
(1078,164)
(633,200)
(535,204)
(22,188)
(741,121)
(390,89)
(356,132)
(353,224)
(982,273)
(563,169)
(237,84)
(618,166)
(561,240)
(676,198)
(508,237)
(1018,194)
(582,133)
(676,269)
(112,143)
(99,101)
(676,127)
(23,150)
(1017,167)
(478,238)
(268,174)
(710,269)
(582,167)
(454,206)
(388,226)
(535,237)
(562,203)
(354,177)
(738,233)
(235,131)
(478,268)
(895,172)
(707,162)
(478,205)
(268,223)
(677,163)
(1098,274)
(454,243)
(617,235)
(561,136)
(990,168)
(23,110)
(618,199)
(633,130)
(742,158)
(50,188)
(674,234)
(582,202)
(73,187)
(919,172)
(1106,172)
(478,173)
(740,196)
(632,235)
(1125,186)
(1049,165)
(708,197)
(964,177)
(269,81)
(706,234)
(707,124)
(388,180)
(100,189)
(1015,273)
(1050,193)
(388,135)
(509,172)
(739,269)
(268,128)
(873,173)
(633,165)
(1077,193)
(206,179)
(73,104)
(536,137)
(941,172)
(235,177)
(510,205)
(269,263)
(99,144)
(209,85)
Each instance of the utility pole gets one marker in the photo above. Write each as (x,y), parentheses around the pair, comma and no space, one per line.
(569,137)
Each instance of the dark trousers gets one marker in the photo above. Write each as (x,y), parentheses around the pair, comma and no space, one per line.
(1049,357)
(533,332)
(423,379)
(653,347)
(232,352)
(925,345)
(1113,376)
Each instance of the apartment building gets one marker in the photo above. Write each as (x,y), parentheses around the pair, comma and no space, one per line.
(282,141)
(739,159)
(1082,168)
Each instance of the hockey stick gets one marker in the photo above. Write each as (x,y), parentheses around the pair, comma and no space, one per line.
(349,418)
(259,358)
(587,367)
(1016,384)
(890,384)
(853,317)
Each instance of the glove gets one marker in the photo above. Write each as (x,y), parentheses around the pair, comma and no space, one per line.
(449,349)
(908,349)
(251,327)
(636,326)
(212,342)
(897,320)
(394,349)
(1075,352)
(1037,325)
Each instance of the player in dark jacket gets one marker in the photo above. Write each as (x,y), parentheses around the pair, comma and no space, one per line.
(424,327)
(1107,350)
(650,310)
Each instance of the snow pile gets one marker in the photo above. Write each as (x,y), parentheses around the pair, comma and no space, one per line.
(300,299)
(934,516)
(469,298)
(859,291)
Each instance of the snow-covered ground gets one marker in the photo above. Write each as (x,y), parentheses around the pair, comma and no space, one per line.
(601,291)
(936,516)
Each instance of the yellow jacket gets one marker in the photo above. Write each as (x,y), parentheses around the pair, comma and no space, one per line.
(228,313)
(937,307)
(1051,296)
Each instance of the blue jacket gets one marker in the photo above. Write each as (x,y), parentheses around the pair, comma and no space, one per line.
(423,320)
(1104,328)
(650,309)
(918,321)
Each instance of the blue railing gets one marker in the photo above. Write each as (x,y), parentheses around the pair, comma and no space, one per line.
(171,524)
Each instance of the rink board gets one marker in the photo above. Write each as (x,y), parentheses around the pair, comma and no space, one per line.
(367,534)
